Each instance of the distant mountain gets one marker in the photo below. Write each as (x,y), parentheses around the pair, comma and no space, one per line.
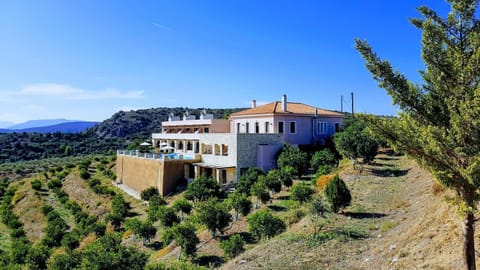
(69,127)
(117,132)
(41,123)
(4,124)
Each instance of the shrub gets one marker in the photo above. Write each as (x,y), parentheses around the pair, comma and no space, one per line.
(19,250)
(54,183)
(295,158)
(301,192)
(37,257)
(84,174)
(184,235)
(322,157)
(166,215)
(262,224)
(259,190)
(272,181)
(143,229)
(337,194)
(323,181)
(240,203)
(294,216)
(323,170)
(233,246)
(202,188)
(146,194)
(214,216)
(356,141)
(71,240)
(182,206)
(36,185)
(246,181)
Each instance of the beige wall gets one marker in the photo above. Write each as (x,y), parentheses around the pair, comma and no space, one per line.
(173,171)
(138,173)
(141,173)
(220,126)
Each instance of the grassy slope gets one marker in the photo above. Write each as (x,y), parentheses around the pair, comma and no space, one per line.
(28,207)
(405,220)
(407,227)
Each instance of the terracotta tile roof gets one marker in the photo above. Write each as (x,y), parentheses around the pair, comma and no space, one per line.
(292,108)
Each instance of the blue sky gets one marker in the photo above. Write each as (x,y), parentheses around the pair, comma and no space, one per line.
(88,59)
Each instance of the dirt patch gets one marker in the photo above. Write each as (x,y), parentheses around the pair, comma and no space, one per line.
(78,190)
(400,216)
(28,208)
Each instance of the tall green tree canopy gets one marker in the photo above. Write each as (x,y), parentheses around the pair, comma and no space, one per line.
(440,122)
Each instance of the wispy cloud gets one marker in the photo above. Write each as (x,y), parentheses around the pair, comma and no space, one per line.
(163,27)
(68,92)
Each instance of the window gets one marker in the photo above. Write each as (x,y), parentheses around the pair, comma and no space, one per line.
(257,127)
(206,130)
(238,127)
(280,127)
(267,125)
(293,127)
(247,127)
(337,127)
(322,128)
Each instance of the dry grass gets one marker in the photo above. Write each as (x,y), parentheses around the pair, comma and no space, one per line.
(28,207)
(79,191)
(393,202)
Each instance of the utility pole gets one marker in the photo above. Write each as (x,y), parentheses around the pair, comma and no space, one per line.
(341,103)
(352,106)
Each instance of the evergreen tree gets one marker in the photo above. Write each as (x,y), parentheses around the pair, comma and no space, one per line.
(337,194)
(440,125)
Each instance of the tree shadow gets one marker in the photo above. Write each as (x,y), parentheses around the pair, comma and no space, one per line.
(209,261)
(378,164)
(155,245)
(350,233)
(389,172)
(277,208)
(362,215)
(132,214)
(388,158)
(283,198)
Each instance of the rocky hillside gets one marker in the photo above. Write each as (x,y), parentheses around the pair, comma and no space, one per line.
(114,133)
(141,123)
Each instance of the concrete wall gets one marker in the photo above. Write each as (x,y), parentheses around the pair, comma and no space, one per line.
(139,173)
(247,148)
(173,171)
(266,154)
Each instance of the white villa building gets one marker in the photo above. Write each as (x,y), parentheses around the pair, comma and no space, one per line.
(224,149)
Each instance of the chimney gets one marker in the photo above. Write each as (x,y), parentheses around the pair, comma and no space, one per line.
(284,103)
(254,103)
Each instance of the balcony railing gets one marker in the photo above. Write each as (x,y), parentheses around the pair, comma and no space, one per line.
(150,155)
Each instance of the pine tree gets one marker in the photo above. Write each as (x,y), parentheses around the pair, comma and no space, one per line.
(440,122)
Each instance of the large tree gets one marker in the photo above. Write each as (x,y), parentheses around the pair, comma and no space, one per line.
(439,124)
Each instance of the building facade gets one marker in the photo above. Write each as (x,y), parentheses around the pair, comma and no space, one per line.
(224,149)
